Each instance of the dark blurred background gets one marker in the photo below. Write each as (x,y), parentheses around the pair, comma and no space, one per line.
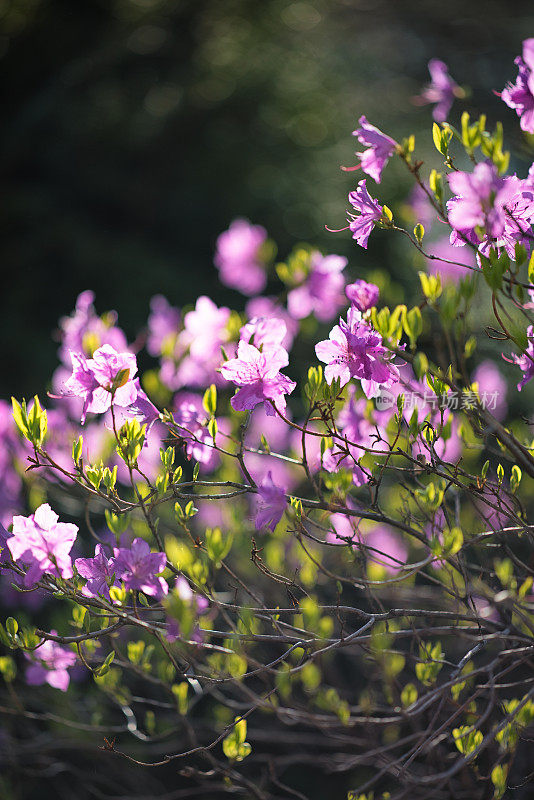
(135,130)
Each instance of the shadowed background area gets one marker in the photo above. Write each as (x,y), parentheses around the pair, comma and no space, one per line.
(135,130)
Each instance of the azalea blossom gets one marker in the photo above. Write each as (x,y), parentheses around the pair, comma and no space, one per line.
(362,294)
(345,530)
(270,307)
(98,571)
(103,379)
(143,409)
(380,148)
(369,212)
(441,90)
(163,325)
(238,257)
(264,332)
(84,331)
(271,504)
(196,355)
(355,350)
(526,360)
(191,424)
(49,664)
(43,544)
(259,378)
(358,434)
(520,95)
(503,206)
(321,293)
(492,388)
(480,200)
(444,251)
(386,548)
(139,568)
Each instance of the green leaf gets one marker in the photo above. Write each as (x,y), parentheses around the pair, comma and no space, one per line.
(408,695)
(209,400)
(467,739)
(235,748)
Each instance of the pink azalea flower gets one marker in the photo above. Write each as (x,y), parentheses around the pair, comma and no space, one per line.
(271,504)
(526,360)
(197,352)
(481,199)
(442,90)
(355,350)
(357,430)
(369,212)
(277,433)
(106,377)
(344,532)
(520,95)
(163,325)
(238,257)
(259,378)
(84,331)
(49,664)
(270,307)
(98,571)
(443,249)
(380,149)
(138,568)
(43,544)
(321,294)
(264,332)
(492,388)
(422,208)
(362,294)
(191,422)
(142,408)
(386,548)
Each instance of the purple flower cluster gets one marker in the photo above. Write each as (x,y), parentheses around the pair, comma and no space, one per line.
(502,207)
(355,350)
(271,504)
(42,544)
(357,432)
(380,148)
(321,293)
(99,572)
(520,95)
(441,90)
(84,331)
(136,566)
(49,664)
(362,295)
(238,257)
(163,326)
(195,357)
(257,374)
(526,360)
(369,212)
(191,422)
(103,379)
(139,568)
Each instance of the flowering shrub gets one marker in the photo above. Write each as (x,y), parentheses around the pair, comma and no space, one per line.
(344,553)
